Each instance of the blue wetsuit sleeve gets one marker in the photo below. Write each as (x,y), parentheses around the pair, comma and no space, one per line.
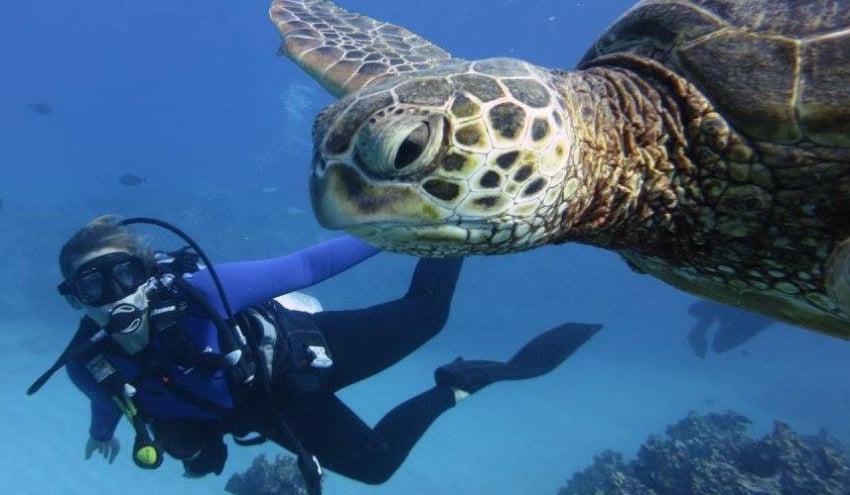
(252,282)
(104,413)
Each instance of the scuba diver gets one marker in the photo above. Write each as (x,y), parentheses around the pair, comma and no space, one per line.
(189,352)
(736,327)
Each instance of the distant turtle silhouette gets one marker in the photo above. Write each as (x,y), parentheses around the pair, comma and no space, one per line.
(736,327)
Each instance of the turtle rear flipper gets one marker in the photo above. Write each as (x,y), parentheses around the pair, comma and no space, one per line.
(838,276)
(344,51)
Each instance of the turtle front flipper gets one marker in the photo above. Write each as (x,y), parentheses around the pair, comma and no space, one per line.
(838,276)
(345,51)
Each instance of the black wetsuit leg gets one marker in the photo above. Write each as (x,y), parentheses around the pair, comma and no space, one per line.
(364,342)
(343,443)
(198,443)
(698,336)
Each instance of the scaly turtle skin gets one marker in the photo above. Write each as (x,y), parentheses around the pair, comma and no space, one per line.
(706,141)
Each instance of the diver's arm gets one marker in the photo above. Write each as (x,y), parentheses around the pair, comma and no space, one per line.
(105,415)
(104,419)
(252,282)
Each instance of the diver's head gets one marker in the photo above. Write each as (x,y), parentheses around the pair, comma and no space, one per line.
(103,263)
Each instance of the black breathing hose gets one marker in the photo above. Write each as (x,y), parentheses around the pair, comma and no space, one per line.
(194,245)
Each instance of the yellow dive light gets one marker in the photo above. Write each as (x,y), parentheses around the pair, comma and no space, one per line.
(146,454)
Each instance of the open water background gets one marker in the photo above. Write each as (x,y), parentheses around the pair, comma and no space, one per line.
(192,96)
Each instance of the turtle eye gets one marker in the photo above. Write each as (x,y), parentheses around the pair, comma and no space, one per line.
(412,146)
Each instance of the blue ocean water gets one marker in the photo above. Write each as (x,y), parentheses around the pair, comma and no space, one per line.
(193,97)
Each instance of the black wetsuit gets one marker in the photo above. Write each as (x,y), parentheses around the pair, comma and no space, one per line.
(363,343)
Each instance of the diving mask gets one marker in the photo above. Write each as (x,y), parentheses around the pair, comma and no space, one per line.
(105,279)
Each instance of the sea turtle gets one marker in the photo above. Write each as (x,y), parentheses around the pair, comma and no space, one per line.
(706,141)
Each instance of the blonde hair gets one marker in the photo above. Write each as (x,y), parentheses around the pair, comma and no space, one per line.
(103,232)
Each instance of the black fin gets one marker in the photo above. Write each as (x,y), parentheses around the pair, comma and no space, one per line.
(549,349)
(539,356)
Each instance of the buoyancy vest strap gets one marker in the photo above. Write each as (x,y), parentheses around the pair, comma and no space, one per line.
(230,336)
(309,466)
(254,321)
(262,336)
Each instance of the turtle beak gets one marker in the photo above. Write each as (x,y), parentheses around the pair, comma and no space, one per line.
(343,198)
(325,208)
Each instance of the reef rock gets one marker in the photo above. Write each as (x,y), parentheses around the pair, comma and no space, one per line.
(264,478)
(713,455)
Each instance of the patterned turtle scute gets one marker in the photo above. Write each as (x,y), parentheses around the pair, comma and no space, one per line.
(539,129)
(470,135)
(776,69)
(507,160)
(433,91)
(481,87)
(490,180)
(528,91)
(507,119)
(523,173)
(464,107)
(442,189)
(795,18)
(502,67)
(453,162)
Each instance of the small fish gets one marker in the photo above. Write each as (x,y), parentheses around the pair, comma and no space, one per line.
(132,180)
(40,107)
(269,189)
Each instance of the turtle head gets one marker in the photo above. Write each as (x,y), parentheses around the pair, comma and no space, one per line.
(469,157)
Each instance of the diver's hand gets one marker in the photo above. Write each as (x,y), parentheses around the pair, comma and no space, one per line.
(109,448)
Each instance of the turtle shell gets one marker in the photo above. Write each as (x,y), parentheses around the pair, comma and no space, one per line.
(778,70)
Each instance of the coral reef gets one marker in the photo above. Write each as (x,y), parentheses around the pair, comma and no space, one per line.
(264,478)
(713,455)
